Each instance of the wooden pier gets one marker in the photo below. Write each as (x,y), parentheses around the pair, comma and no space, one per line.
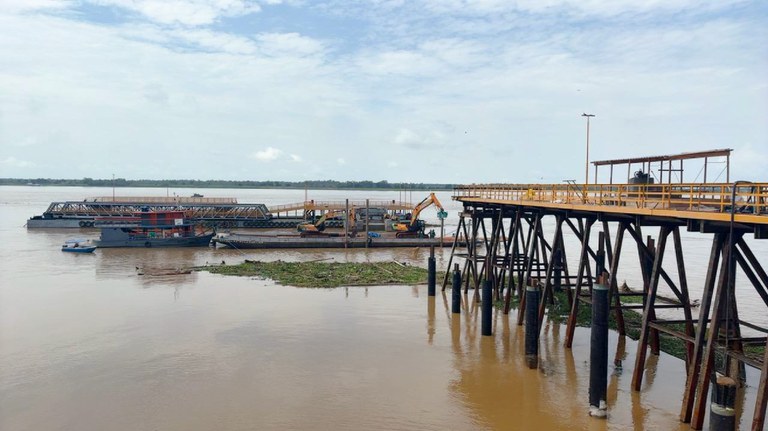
(508,247)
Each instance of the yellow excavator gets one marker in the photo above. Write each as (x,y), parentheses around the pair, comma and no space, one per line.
(415,226)
(316,228)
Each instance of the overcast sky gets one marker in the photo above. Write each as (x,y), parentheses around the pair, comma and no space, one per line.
(447,91)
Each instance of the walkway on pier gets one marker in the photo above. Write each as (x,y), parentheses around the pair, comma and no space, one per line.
(340,205)
(513,252)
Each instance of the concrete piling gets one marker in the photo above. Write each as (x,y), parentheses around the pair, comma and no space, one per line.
(431,272)
(456,290)
(532,295)
(598,352)
(487,308)
(722,415)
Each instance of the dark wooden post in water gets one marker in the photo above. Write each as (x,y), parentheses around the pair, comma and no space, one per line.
(431,272)
(722,415)
(600,255)
(456,290)
(598,352)
(487,311)
(532,326)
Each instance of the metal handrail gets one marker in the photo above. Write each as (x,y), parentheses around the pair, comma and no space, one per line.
(340,205)
(710,197)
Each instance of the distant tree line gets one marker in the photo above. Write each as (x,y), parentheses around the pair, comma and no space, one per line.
(225,184)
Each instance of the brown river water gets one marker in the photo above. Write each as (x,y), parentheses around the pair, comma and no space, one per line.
(86,344)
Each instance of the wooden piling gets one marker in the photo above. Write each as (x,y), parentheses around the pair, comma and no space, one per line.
(722,415)
(532,326)
(431,269)
(456,291)
(487,308)
(598,352)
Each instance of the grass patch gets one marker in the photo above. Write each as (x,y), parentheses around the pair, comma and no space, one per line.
(325,274)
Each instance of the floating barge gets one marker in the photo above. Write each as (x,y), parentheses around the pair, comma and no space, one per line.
(222,213)
(155,229)
(243,241)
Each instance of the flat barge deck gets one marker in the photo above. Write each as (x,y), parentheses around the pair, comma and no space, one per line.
(247,241)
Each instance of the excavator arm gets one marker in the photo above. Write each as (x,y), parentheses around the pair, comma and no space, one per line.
(415,224)
(429,200)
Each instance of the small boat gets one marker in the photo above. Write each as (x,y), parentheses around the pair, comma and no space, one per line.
(154,229)
(78,246)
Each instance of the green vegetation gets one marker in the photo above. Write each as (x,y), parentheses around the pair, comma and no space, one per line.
(225,184)
(324,274)
(559,310)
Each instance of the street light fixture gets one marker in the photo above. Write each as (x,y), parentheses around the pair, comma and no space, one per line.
(586,167)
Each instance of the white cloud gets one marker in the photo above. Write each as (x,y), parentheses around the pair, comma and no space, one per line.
(15,6)
(267,155)
(275,44)
(215,41)
(573,7)
(187,12)
(406,137)
(340,161)
(16,163)
(414,79)
(26,142)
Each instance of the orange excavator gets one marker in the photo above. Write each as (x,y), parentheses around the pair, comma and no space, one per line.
(415,226)
(317,228)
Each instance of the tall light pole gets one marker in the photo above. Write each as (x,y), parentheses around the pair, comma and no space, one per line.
(586,167)
(113,187)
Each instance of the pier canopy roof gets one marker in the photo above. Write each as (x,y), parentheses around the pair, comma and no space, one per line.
(661,167)
(682,156)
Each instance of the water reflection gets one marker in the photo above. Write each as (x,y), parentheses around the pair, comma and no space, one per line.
(493,381)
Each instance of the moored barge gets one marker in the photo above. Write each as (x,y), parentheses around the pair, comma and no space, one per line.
(155,229)
(247,241)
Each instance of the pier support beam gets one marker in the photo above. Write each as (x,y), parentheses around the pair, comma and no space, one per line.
(692,380)
(580,276)
(648,311)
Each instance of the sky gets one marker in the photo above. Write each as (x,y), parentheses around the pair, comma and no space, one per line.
(436,91)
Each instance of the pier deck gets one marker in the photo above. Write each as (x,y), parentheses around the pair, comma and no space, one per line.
(514,251)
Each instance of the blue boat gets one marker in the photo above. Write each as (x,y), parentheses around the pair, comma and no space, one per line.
(78,246)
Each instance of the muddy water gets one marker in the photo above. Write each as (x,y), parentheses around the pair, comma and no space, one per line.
(86,344)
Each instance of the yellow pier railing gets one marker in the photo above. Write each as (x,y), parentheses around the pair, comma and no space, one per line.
(312,205)
(710,201)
